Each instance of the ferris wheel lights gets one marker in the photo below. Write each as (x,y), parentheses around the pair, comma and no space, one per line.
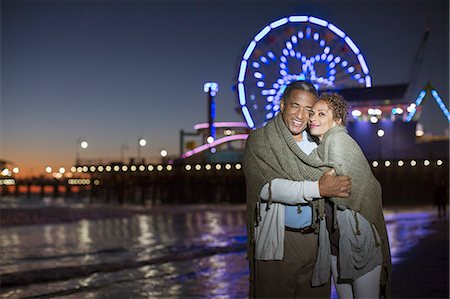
(249,50)
(326,50)
(363,64)
(352,45)
(344,63)
(350,69)
(256,65)
(368,81)
(357,76)
(247,117)
(330,57)
(336,30)
(271,55)
(241,94)
(318,21)
(289,45)
(298,19)
(316,36)
(258,75)
(262,33)
(279,23)
(242,71)
(260,84)
(294,39)
(264,59)
(300,34)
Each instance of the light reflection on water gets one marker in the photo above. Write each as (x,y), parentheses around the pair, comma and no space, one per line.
(191,238)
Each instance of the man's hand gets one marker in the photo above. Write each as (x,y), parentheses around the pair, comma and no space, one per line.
(334,186)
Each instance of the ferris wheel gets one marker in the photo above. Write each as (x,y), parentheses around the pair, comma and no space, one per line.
(291,49)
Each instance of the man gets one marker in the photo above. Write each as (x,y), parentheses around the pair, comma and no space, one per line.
(283,185)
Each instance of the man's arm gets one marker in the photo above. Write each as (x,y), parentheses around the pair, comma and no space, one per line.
(291,192)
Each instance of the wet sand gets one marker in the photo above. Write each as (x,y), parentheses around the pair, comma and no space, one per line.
(424,272)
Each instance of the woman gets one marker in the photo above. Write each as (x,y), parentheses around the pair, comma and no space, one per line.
(355,240)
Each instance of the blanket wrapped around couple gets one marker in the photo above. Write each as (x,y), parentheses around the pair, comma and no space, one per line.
(271,152)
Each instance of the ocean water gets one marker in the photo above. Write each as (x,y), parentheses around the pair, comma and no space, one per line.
(195,251)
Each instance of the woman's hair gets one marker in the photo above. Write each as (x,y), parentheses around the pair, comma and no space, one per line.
(301,85)
(337,105)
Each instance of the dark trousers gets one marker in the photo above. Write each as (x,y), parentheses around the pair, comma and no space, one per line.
(291,277)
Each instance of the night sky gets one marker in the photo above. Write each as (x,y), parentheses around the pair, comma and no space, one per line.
(111,71)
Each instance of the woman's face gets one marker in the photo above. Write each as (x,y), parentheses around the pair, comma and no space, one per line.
(321,119)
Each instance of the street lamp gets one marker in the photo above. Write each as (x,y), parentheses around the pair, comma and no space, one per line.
(141,142)
(84,145)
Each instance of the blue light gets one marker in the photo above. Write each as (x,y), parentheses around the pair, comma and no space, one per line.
(264,59)
(283,73)
(283,59)
(326,50)
(350,69)
(332,78)
(289,45)
(322,43)
(318,21)
(301,77)
(332,72)
(294,39)
(242,71)
(247,117)
(271,55)
(285,52)
(249,50)
(258,75)
(269,106)
(361,81)
(332,65)
(317,57)
(344,63)
(300,34)
(272,91)
(279,23)
(270,99)
(261,34)
(260,84)
(418,101)
(308,32)
(303,59)
(269,115)
(298,55)
(357,76)
(323,56)
(337,59)
(298,18)
(368,81)
(282,66)
(312,60)
(256,65)
(363,64)
(276,107)
(241,94)
(292,53)
(280,81)
(441,104)
(330,57)
(316,36)
(336,30)
(352,45)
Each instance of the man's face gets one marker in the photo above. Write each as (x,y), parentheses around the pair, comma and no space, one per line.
(295,111)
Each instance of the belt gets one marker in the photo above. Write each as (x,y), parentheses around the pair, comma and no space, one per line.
(303,230)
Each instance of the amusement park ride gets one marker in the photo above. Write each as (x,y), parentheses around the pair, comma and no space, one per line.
(308,48)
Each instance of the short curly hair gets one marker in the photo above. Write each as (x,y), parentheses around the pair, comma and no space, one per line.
(337,104)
